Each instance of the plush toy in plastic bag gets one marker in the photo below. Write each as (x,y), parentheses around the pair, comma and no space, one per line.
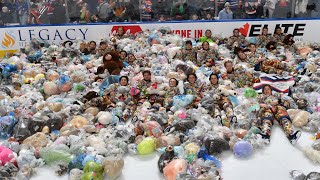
(7,124)
(250,93)
(175,167)
(38,140)
(312,154)
(298,175)
(50,88)
(21,130)
(242,149)
(180,125)
(64,83)
(181,101)
(79,88)
(108,81)
(76,162)
(165,158)
(184,176)
(92,166)
(8,171)
(152,128)
(205,70)
(313,124)
(75,174)
(113,167)
(146,146)
(92,176)
(25,172)
(6,70)
(85,58)
(56,154)
(27,157)
(206,157)
(216,145)
(165,141)
(316,145)
(35,57)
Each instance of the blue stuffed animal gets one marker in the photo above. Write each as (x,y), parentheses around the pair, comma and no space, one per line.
(5,72)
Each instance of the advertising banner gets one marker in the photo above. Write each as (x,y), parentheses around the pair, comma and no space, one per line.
(14,38)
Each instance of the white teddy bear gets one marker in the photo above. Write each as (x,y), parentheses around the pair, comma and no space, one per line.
(104,117)
(226,91)
(229,84)
(157,87)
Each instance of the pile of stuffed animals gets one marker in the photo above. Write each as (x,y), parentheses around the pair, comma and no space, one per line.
(53,110)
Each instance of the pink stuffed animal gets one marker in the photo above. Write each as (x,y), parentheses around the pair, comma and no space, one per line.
(135,80)
(6,155)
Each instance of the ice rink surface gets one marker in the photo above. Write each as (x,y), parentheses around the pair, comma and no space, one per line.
(274,162)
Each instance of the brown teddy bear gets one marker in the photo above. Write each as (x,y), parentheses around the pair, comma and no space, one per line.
(111,63)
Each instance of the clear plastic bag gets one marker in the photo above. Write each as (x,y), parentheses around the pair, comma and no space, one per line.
(26,157)
(313,124)
(316,145)
(21,130)
(185,176)
(9,170)
(216,145)
(25,173)
(7,124)
(56,154)
(313,176)
(75,174)
(113,167)
(297,175)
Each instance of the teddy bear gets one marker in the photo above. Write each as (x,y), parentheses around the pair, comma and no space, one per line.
(177,75)
(5,72)
(226,91)
(181,101)
(28,76)
(313,124)
(35,57)
(160,70)
(157,87)
(181,125)
(111,63)
(6,156)
(123,94)
(304,51)
(172,52)
(79,76)
(186,68)
(97,143)
(69,50)
(299,117)
(104,117)
(309,69)
(149,128)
